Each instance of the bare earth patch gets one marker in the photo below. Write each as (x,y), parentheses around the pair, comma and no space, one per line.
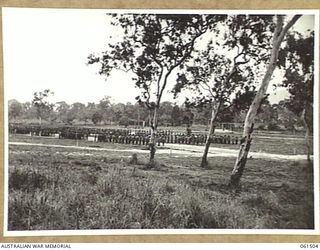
(180,149)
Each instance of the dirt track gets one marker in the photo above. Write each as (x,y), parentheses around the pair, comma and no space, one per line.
(179,150)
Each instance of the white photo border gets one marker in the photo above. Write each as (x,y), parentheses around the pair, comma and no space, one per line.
(115,232)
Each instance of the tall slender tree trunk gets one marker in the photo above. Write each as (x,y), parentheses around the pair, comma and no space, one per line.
(245,143)
(307,119)
(153,137)
(212,126)
(161,84)
(40,123)
(241,161)
(149,118)
(308,143)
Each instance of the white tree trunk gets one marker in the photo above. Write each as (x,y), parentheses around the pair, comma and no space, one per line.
(40,122)
(307,119)
(214,114)
(153,137)
(245,142)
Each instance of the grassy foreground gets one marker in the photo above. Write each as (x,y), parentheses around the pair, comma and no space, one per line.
(56,189)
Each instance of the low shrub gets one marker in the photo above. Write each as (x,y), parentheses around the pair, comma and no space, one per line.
(29,180)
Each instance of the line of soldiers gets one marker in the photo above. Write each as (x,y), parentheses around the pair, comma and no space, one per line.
(123,136)
(144,139)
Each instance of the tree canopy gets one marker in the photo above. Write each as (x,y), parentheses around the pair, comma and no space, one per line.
(41,103)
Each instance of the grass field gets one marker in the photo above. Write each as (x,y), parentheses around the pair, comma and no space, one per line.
(267,143)
(68,188)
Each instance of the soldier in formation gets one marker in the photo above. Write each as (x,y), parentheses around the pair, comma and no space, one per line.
(122,136)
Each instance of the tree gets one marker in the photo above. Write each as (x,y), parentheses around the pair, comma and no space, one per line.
(96,117)
(165,111)
(153,46)
(130,114)
(299,79)
(77,111)
(63,109)
(220,71)
(278,36)
(124,121)
(29,111)
(118,111)
(214,82)
(142,114)
(42,105)
(15,109)
(104,107)
(90,109)
(187,118)
(176,116)
(268,114)
(201,114)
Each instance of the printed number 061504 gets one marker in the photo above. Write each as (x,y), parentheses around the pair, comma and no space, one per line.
(310,246)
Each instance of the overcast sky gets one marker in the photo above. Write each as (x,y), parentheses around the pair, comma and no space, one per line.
(48,48)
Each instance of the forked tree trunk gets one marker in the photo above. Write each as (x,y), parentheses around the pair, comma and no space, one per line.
(245,144)
(214,114)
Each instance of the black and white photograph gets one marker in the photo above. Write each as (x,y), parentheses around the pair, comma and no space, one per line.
(160,121)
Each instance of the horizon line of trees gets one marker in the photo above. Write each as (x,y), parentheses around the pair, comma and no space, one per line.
(272,117)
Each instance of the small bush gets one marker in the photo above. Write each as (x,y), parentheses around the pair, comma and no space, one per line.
(85,163)
(89,178)
(169,188)
(134,159)
(21,179)
(273,127)
(264,203)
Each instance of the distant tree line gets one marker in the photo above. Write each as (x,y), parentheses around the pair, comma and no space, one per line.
(103,113)
(271,117)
